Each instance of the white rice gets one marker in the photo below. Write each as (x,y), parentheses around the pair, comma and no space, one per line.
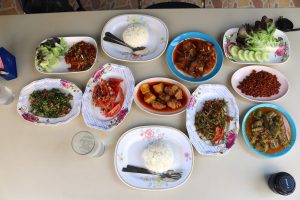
(158,156)
(136,35)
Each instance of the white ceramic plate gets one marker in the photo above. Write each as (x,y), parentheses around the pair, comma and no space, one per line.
(240,74)
(129,151)
(62,67)
(200,95)
(155,112)
(279,56)
(23,106)
(92,115)
(158,37)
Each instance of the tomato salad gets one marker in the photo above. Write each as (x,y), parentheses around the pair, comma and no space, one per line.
(105,95)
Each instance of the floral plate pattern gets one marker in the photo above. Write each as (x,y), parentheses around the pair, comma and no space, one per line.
(200,95)
(281,55)
(92,115)
(23,106)
(131,145)
(158,37)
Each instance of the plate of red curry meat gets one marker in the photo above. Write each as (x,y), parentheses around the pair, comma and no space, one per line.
(194,57)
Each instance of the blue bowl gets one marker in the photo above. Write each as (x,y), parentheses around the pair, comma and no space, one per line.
(201,36)
(289,119)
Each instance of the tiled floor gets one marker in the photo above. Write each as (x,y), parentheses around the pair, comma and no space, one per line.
(13,6)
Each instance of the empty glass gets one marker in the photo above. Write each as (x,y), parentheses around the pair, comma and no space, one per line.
(6,95)
(86,143)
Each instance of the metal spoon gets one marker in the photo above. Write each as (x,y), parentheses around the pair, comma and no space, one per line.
(168,176)
(109,37)
(285,25)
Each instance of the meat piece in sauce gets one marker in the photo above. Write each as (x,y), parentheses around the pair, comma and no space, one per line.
(174,104)
(178,95)
(187,45)
(164,97)
(196,68)
(171,90)
(158,105)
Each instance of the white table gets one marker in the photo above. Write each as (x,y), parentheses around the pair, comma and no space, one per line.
(37,162)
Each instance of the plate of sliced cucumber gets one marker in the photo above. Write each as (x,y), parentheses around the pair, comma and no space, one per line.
(273,55)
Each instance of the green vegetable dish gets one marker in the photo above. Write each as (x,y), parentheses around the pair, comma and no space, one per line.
(49,52)
(266,131)
(50,103)
(211,122)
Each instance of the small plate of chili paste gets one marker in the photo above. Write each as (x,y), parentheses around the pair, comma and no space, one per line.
(259,83)
(194,57)
(59,55)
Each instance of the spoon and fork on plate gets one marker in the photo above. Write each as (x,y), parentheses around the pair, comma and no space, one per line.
(139,51)
(168,176)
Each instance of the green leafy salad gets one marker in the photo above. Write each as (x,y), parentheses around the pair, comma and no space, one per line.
(49,52)
(50,103)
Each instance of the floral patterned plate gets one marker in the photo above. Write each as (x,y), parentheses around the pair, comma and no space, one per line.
(158,37)
(92,115)
(23,106)
(129,151)
(279,56)
(200,95)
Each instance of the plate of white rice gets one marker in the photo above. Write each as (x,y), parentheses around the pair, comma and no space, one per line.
(157,148)
(136,30)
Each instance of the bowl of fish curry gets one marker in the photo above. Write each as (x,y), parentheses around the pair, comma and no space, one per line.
(269,130)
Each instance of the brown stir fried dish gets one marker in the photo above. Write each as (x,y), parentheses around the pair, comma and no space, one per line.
(211,122)
(266,131)
(195,57)
(162,96)
(81,56)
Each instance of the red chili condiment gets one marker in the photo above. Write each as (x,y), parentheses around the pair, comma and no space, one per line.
(260,84)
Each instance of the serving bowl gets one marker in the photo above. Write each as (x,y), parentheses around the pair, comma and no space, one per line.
(23,106)
(288,121)
(141,105)
(194,35)
(242,73)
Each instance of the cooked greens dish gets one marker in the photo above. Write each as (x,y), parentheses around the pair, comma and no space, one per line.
(50,103)
(211,122)
(266,131)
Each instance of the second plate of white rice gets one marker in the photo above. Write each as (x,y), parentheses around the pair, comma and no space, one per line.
(157,148)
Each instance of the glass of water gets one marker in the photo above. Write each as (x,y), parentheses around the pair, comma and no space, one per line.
(86,143)
(6,95)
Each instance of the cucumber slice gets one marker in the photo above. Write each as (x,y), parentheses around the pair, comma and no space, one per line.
(246,55)
(258,57)
(251,56)
(241,55)
(265,57)
(234,50)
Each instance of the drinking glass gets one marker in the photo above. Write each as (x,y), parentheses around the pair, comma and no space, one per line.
(88,144)
(6,95)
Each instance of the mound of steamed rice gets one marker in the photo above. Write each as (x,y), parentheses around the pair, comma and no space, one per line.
(136,35)
(158,156)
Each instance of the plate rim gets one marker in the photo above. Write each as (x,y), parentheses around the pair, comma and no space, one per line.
(135,61)
(151,126)
(157,114)
(255,63)
(286,115)
(47,124)
(69,72)
(262,67)
(129,105)
(199,35)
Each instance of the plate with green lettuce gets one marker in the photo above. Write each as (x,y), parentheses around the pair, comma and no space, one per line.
(50,54)
(259,43)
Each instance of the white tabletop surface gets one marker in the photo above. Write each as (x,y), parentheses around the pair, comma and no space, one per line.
(37,162)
